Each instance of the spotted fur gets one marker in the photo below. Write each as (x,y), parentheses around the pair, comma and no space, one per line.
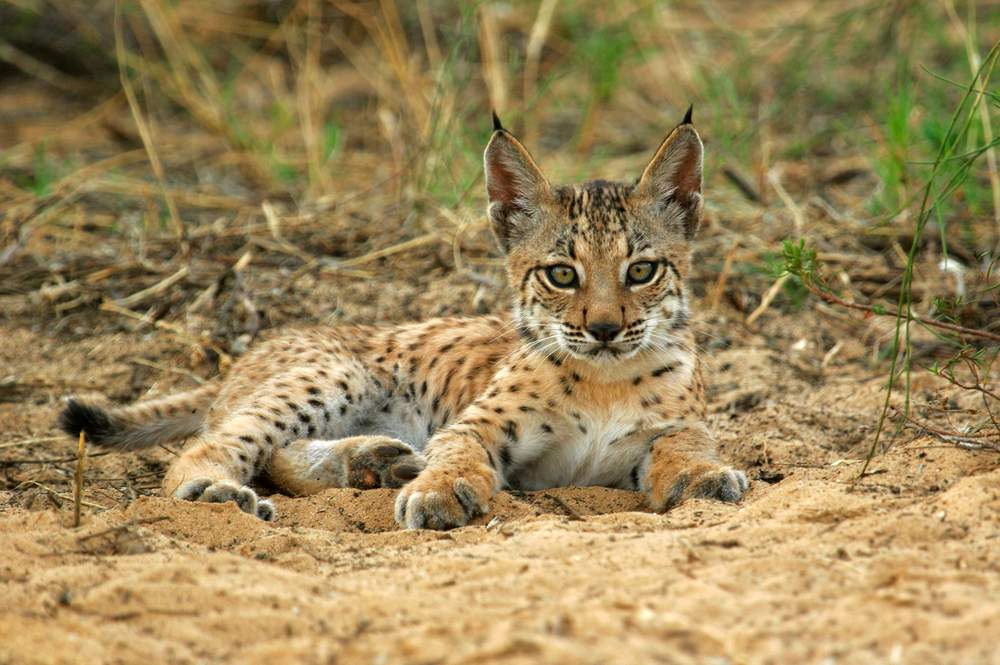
(592,379)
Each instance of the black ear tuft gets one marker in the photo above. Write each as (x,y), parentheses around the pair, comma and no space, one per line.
(687,116)
(497,127)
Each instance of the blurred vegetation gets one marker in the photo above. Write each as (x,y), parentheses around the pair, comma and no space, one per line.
(285,84)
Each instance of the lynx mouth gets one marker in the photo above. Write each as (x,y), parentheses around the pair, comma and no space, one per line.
(604,350)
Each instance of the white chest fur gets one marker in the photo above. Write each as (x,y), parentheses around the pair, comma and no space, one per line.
(587,449)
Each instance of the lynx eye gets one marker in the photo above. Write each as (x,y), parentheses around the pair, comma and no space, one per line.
(641,272)
(562,276)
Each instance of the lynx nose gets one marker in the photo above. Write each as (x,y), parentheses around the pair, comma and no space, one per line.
(604,331)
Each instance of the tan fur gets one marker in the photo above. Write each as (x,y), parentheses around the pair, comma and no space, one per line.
(596,381)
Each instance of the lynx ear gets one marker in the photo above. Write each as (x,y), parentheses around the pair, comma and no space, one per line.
(514,184)
(672,180)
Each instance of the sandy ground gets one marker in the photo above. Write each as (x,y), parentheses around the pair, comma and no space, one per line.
(902,567)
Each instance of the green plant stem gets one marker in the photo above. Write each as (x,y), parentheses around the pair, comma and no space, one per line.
(903,314)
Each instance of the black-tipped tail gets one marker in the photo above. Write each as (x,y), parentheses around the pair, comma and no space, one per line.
(497,127)
(688,116)
(93,421)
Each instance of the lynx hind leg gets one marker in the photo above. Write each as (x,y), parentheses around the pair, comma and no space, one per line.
(307,466)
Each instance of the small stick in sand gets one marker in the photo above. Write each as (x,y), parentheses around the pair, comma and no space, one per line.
(78,479)
(765,302)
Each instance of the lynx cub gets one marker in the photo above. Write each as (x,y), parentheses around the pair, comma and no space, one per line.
(593,379)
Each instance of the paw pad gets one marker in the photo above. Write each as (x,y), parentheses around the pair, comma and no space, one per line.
(383,465)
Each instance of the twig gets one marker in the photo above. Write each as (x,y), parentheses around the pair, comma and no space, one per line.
(771,294)
(123,527)
(741,183)
(155,290)
(30,442)
(109,306)
(167,368)
(63,460)
(720,283)
(40,70)
(81,453)
(571,513)
(419,241)
(962,330)
(51,492)
(797,217)
(963,441)
(831,354)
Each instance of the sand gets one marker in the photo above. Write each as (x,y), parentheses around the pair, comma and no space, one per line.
(813,566)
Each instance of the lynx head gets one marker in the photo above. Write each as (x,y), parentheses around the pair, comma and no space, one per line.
(598,269)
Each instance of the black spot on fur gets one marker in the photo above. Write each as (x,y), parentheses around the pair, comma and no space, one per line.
(650,400)
(95,422)
(490,457)
(505,457)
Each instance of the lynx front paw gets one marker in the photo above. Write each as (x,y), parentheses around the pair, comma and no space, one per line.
(221,491)
(707,482)
(442,499)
